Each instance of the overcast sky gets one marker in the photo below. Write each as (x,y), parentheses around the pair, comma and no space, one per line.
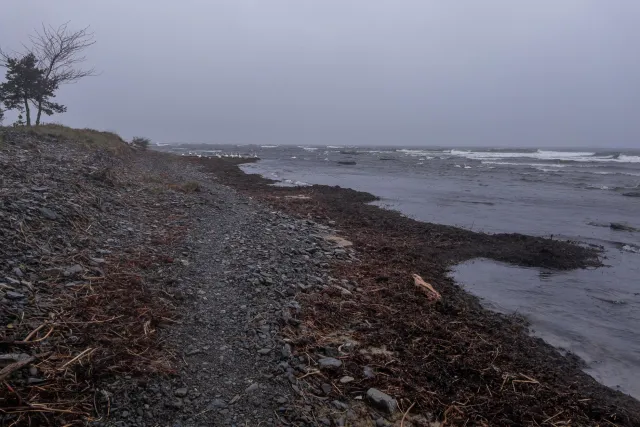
(414,72)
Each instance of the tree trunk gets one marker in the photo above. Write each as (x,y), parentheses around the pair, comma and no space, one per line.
(39,112)
(28,111)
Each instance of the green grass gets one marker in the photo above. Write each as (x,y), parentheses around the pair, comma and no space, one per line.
(88,138)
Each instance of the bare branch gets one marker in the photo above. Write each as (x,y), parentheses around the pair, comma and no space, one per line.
(59,52)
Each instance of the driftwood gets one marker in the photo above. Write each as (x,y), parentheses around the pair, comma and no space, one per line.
(7,370)
(425,287)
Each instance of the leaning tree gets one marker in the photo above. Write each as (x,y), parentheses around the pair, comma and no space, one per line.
(60,54)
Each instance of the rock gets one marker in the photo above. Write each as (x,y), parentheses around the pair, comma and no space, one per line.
(49,214)
(12,280)
(98,261)
(264,351)
(18,272)
(632,194)
(74,269)
(14,295)
(286,351)
(622,227)
(340,405)
(326,388)
(217,404)
(382,401)
(181,392)
(329,363)
(34,381)
(253,387)
(174,404)
(346,379)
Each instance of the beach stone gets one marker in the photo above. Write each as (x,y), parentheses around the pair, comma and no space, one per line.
(174,404)
(329,363)
(48,213)
(181,392)
(74,269)
(14,295)
(253,387)
(382,401)
(346,379)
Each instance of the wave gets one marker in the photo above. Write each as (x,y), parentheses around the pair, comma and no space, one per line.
(534,165)
(308,148)
(566,156)
(335,146)
(268,146)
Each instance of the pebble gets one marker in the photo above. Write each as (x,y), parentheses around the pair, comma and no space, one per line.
(253,387)
(329,363)
(49,214)
(14,295)
(181,392)
(346,379)
(382,401)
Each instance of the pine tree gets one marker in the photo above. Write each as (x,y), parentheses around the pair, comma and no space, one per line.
(25,83)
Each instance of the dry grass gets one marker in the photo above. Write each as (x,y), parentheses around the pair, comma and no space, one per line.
(87,138)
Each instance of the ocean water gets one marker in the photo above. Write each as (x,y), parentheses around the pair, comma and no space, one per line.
(570,194)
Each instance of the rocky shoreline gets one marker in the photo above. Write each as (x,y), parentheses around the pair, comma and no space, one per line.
(141,288)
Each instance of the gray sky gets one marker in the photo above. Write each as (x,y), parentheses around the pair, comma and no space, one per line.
(414,72)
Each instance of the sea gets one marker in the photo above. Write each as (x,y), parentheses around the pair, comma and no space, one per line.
(590,196)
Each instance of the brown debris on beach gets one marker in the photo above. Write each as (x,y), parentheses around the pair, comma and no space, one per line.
(452,361)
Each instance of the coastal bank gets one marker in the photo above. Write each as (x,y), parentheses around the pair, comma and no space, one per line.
(142,288)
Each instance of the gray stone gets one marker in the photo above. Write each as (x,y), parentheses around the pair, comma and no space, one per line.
(34,381)
(286,351)
(217,404)
(174,404)
(74,269)
(14,295)
(49,214)
(181,392)
(346,379)
(382,401)
(329,363)
(18,272)
(264,351)
(253,387)
(326,388)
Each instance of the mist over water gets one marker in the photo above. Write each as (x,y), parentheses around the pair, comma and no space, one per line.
(564,193)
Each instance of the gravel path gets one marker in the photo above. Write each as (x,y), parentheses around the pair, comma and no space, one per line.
(244,266)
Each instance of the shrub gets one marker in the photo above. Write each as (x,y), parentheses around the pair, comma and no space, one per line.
(140,142)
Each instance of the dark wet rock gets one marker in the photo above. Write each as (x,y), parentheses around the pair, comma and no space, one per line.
(73,270)
(253,387)
(49,214)
(622,227)
(382,401)
(174,404)
(14,295)
(632,194)
(181,392)
(329,363)
(326,388)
